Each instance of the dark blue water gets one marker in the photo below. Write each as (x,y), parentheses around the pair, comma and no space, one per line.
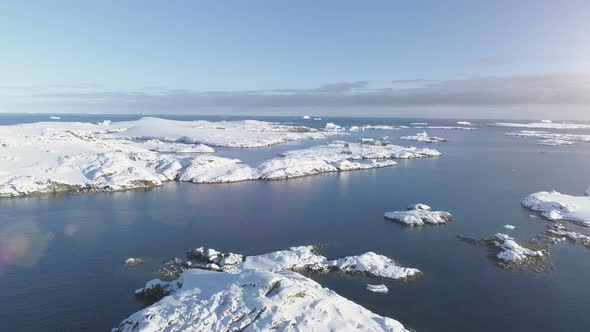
(69,277)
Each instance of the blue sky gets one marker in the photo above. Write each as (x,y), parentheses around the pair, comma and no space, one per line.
(383,58)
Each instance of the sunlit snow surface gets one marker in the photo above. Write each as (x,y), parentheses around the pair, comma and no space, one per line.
(264,293)
(51,157)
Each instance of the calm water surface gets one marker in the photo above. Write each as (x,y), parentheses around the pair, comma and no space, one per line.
(69,277)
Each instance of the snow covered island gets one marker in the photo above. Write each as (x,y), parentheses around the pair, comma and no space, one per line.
(423,137)
(419,215)
(50,157)
(557,206)
(264,293)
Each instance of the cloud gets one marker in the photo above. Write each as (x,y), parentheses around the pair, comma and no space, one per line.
(549,95)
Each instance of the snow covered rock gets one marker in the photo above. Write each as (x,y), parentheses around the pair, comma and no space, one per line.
(132,261)
(377,288)
(556,206)
(254,300)
(419,215)
(560,232)
(542,125)
(213,169)
(237,134)
(263,293)
(511,251)
(423,137)
(552,139)
(333,127)
(335,157)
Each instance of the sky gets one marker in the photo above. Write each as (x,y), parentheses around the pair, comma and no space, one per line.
(478,59)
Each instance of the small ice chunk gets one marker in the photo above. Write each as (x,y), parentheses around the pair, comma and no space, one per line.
(509,227)
(55,117)
(333,127)
(464,123)
(377,288)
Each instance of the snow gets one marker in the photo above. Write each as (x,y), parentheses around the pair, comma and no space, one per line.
(336,157)
(423,137)
(50,157)
(419,215)
(132,261)
(542,125)
(511,251)
(509,227)
(214,169)
(254,300)
(264,294)
(562,232)
(445,127)
(553,139)
(377,288)
(556,206)
(333,127)
(305,258)
(235,134)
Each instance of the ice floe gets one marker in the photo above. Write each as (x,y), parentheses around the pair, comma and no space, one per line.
(511,251)
(464,123)
(264,293)
(557,206)
(423,137)
(509,227)
(542,125)
(548,138)
(418,215)
(306,117)
(377,288)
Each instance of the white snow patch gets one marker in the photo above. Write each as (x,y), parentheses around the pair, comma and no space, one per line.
(423,137)
(556,206)
(254,300)
(334,127)
(542,125)
(553,139)
(512,251)
(377,288)
(264,295)
(418,215)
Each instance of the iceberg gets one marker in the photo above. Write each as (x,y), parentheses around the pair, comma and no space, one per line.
(419,215)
